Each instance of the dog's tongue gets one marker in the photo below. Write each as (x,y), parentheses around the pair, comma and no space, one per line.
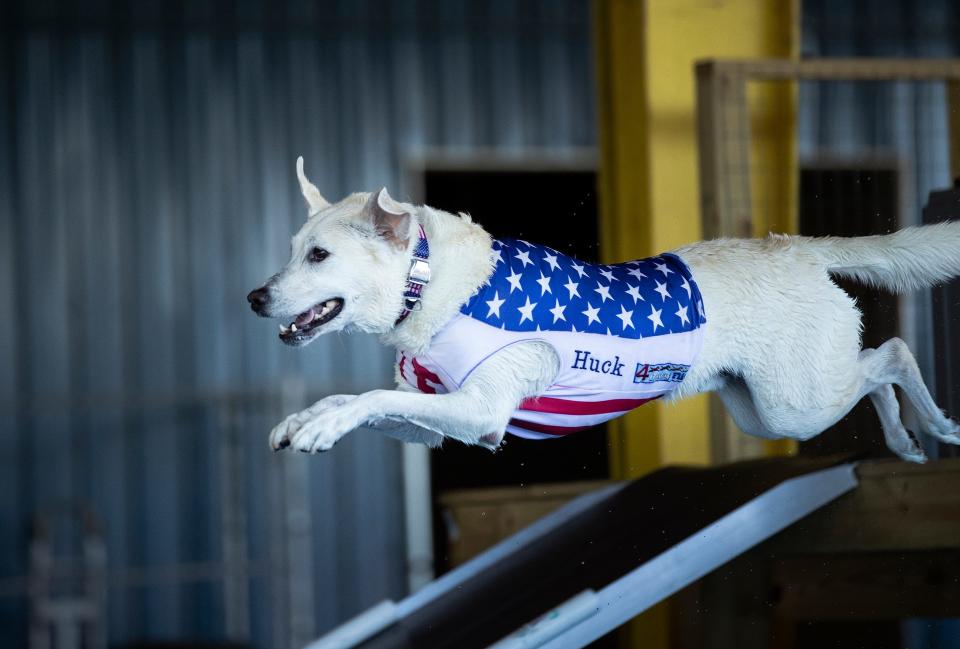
(304,318)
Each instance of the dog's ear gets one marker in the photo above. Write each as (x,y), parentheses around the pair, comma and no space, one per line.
(390,221)
(315,202)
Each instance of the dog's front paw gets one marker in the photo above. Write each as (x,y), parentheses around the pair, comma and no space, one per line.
(283,432)
(280,435)
(324,429)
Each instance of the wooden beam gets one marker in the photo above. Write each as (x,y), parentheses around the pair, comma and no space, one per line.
(897,507)
(849,69)
(723,137)
(725,208)
(484,517)
(729,206)
(891,585)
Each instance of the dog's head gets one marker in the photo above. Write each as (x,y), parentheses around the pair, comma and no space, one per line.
(347,267)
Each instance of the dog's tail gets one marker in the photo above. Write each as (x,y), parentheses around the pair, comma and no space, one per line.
(915,257)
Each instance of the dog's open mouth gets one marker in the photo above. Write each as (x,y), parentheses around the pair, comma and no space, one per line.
(304,327)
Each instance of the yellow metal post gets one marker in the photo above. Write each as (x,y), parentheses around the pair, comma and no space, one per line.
(648,181)
(648,160)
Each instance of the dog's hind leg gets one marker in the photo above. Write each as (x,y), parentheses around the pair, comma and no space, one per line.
(892,362)
(872,373)
(739,403)
(898,439)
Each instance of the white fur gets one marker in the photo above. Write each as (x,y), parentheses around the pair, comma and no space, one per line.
(781,344)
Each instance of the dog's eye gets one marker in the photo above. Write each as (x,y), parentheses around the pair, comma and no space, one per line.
(317,255)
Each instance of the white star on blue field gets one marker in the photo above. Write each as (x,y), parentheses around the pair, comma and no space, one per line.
(536,288)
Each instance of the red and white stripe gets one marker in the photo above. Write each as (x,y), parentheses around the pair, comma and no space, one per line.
(560,411)
(545,417)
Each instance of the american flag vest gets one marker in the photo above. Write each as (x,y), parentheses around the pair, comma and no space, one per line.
(625,334)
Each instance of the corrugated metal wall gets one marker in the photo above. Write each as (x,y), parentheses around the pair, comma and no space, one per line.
(146,184)
(905,121)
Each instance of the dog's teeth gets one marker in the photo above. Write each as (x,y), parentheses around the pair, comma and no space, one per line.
(293,327)
(283,329)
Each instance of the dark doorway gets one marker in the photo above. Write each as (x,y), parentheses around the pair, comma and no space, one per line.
(556,208)
(852,202)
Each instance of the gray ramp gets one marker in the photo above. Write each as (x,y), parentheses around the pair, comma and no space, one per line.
(705,551)
(629,547)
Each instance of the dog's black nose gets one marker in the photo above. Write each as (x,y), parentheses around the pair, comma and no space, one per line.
(258,299)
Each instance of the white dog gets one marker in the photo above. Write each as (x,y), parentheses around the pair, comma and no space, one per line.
(496,337)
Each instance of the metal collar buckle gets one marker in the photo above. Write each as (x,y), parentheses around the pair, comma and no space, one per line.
(417,277)
(419,271)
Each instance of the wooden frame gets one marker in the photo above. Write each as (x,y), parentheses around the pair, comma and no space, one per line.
(723,139)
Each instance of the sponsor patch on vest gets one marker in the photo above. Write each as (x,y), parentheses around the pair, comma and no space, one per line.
(660,372)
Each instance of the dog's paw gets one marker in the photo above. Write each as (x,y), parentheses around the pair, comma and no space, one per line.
(280,435)
(283,432)
(325,428)
(945,430)
(908,448)
(916,455)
